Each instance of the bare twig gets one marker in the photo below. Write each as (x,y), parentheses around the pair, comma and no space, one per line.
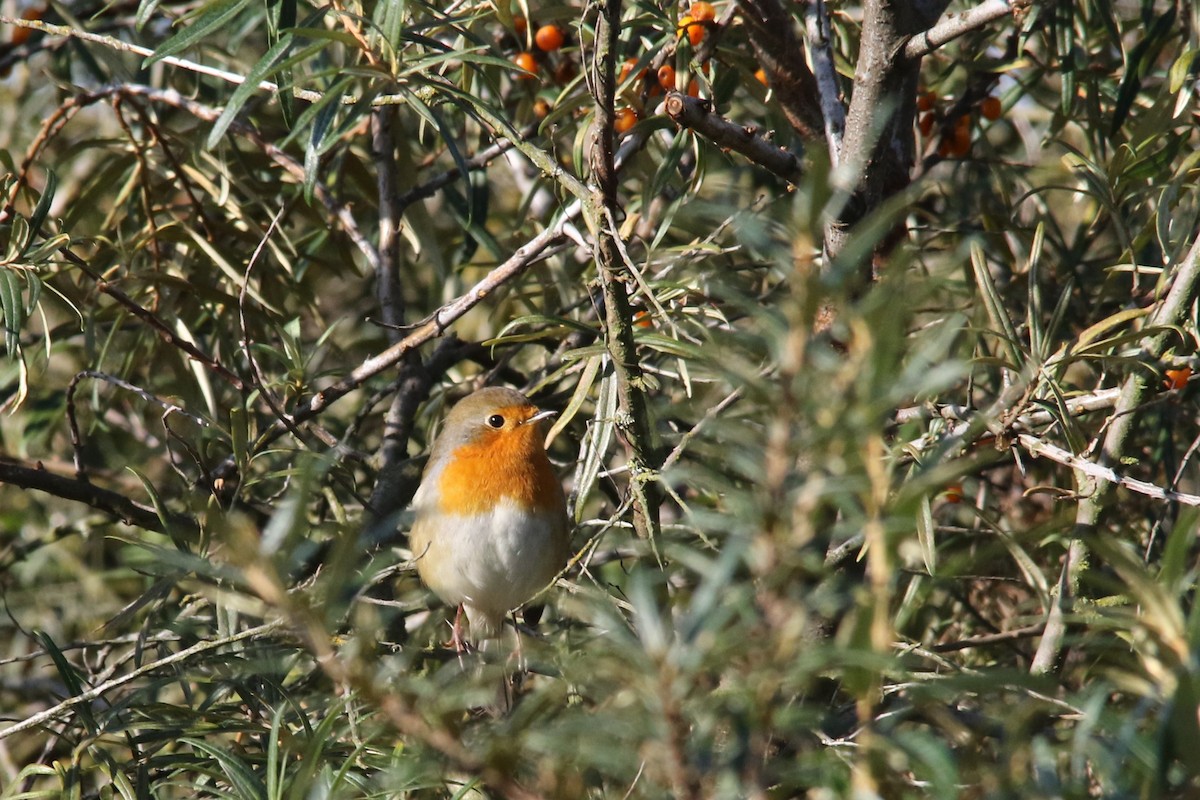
(150,318)
(37,477)
(98,691)
(697,115)
(434,325)
(1169,313)
(986,639)
(955,25)
(1065,457)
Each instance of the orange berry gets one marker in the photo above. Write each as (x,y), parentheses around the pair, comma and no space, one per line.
(688,26)
(954,493)
(991,108)
(694,88)
(703,12)
(925,123)
(926,101)
(962,141)
(541,108)
(520,25)
(527,62)
(666,77)
(626,119)
(760,75)
(627,68)
(1177,378)
(549,38)
(642,319)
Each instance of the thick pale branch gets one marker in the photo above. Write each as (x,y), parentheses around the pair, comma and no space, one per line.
(697,115)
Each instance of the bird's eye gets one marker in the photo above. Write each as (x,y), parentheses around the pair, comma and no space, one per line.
(496,421)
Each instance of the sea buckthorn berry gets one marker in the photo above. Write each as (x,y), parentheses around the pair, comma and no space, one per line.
(1176,378)
(541,108)
(527,62)
(694,88)
(626,119)
(925,123)
(520,25)
(760,75)
(549,38)
(954,493)
(627,69)
(991,108)
(693,30)
(703,12)
(666,77)
(926,101)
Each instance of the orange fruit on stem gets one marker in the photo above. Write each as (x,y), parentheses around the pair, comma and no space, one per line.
(991,108)
(760,75)
(703,12)
(527,62)
(691,28)
(926,101)
(627,68)
(1177,378)
(626,119)
(549,38)
(925,123)
(666,77)
(520,25)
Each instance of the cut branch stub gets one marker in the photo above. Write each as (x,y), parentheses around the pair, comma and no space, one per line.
(697,115)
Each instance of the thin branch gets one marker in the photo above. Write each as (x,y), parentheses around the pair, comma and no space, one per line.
(480,160)
(117,44)
(1042,448)
(985,639)
(951,27)
(434,325)
(150,318)
(98,691)
(697,115)
(38,478)
(1171,310)
(294,168)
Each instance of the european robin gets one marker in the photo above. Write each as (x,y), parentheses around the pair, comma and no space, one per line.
(491,520)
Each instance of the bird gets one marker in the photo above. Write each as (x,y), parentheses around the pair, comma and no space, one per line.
(490,526)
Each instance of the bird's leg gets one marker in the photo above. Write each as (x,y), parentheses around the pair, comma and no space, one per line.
(456,633)
(519,652)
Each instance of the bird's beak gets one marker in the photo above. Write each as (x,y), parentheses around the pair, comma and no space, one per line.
(539,416)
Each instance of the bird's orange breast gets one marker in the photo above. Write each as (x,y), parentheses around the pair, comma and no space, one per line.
(501,464)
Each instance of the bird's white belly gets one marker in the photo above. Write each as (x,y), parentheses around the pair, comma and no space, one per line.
(495,561)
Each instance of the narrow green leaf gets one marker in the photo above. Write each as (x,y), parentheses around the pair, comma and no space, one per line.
(211,17)
(243,92)
(925,535)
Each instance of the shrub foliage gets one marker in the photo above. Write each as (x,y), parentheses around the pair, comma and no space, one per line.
(871,326)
